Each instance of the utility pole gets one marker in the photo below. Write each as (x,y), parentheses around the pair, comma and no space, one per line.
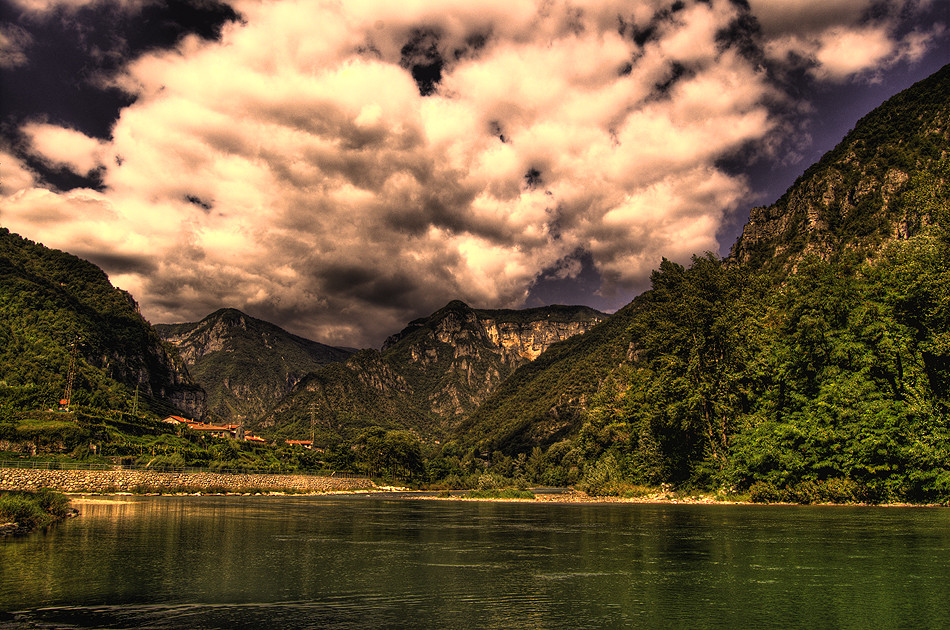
(313,423)
(135,401)
(70,376)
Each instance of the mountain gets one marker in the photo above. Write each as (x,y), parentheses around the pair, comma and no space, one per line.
(52,302)
(884,181)
(431,374)
(811,365)
(245,364)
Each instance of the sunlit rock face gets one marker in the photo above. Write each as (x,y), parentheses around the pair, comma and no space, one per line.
(464,353)
(433,373)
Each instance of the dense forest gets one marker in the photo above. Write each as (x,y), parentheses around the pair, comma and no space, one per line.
(831,385)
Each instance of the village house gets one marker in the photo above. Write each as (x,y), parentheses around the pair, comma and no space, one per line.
(235,431)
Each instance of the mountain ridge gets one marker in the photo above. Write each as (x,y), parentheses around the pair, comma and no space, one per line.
(882,182)
(434,371)
(246,364)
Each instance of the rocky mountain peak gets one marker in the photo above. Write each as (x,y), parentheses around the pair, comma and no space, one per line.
(437,369)
(246,364)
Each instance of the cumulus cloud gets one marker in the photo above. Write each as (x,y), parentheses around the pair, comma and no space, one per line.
(65,148)
(342,168)
(838,40)
(14,176)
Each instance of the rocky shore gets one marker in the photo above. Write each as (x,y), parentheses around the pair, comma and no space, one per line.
(111,481)
(666,498)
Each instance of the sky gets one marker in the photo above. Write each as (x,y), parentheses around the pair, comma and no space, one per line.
(341,168)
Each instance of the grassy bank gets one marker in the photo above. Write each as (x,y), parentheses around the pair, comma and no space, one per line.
(31,510)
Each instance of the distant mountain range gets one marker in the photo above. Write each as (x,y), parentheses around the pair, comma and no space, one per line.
(429,376)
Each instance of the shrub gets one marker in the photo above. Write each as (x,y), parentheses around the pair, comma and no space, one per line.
(33,509)
(765,492)
(16,508)
(52,502)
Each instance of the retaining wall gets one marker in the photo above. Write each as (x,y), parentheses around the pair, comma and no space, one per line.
(145,480)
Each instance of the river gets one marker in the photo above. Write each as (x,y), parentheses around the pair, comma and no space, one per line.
(388,562)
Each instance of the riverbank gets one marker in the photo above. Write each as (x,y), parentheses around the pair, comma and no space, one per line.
(148,481)
(659,498)
(23,512)
(578,496)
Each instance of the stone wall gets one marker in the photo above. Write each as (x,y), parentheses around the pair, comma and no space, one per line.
(107,481)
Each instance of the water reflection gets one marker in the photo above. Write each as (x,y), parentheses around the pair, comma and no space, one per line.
(339,562)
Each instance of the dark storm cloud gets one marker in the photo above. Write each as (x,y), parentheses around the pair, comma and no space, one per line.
(370,285)
(73,48)
(117,263)
(421,56)
(744,34)
(341,168)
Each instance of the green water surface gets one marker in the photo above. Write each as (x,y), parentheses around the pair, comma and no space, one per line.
(365,562)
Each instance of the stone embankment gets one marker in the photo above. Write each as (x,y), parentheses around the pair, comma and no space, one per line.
(108,481)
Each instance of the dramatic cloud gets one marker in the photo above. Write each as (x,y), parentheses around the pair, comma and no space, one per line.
(65,147)
(342,168)
(14,176)
(840,39)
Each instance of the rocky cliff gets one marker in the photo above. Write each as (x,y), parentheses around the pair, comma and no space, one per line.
(460,355)
(431,374)
(884,181)
(246,365)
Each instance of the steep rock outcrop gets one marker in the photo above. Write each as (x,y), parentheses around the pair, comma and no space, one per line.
(246,365)
(884,181)
(431,374)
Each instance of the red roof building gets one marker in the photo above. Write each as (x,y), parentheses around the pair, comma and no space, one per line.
(303,443)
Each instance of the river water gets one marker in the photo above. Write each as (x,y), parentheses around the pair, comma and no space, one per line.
(376,562)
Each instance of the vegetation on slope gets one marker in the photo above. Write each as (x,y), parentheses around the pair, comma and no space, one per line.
(51,302)
(886,179)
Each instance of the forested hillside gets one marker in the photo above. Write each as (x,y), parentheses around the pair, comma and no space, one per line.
(51,302)
(813,365)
